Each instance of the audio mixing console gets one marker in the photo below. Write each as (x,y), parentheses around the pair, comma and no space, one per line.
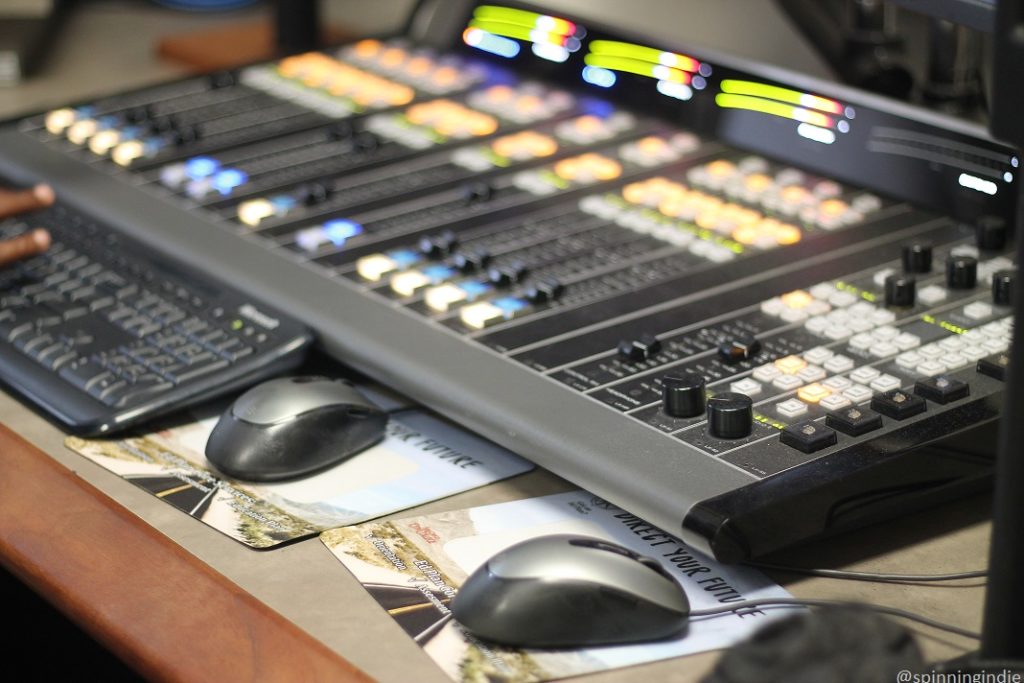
(748,307)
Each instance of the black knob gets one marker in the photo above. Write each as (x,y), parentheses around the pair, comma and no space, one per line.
(1002,287)
(471,261)
(740,348)
(900,290)
(682,394)
(961,272)
(473,193)
(438,246)
(222,79)
(917,257)
(509,274)
(730,415)
(640,349)
(990,233)
(365,142)
(342,130)
(312,194)
(544,291)
(183,134)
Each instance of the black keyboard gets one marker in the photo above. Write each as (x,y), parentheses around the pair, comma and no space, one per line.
(102,332)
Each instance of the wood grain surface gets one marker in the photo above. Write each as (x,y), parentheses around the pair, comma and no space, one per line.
(162,611)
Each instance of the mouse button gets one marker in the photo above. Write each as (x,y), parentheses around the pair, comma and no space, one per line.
(282,399)
(598,544)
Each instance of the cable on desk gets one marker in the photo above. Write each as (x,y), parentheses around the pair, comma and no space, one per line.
(880,577)
(799,602)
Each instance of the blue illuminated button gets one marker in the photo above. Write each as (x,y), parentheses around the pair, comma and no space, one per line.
(201,167)
(340,229)
(227,180)
(510,305)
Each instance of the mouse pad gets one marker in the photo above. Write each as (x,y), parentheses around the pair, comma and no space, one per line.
(422,458)
(414,566)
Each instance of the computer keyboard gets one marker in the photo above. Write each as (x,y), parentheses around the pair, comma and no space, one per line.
(102,333)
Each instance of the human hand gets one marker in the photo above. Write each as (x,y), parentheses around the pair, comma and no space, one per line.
(13,202)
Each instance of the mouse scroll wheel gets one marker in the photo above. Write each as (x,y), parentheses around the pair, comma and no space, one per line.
(601,545)
(652,563)
(355,411)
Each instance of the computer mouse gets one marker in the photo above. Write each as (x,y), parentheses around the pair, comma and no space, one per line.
(293,427)
(570,591)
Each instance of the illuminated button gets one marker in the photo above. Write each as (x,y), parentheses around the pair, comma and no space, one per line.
(834,402)
(791,365)
(253,211)
(127,152)
(818,355)
(311,239)
(839,363)
(766,373)
(885,383)
(791,408)
(787,382)
(441,297)
(80,131)
(408,283)
(58,120)
(746,386)
(797,299)
(375,266)
(858,393)
(103,141)
(812,393)
(812,373)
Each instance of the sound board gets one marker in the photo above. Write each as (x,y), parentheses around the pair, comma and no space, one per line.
(749,307)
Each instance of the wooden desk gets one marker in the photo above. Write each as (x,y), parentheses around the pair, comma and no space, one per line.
(180,601)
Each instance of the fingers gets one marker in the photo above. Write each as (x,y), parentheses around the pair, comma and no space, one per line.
(24,246)
(13,202)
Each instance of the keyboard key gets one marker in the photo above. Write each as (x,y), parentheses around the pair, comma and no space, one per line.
(898,404)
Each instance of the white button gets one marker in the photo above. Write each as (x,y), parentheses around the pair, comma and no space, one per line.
(995,345)
(787,382)
(885,383)
(931,351)
(766,373)
(834,402)
(973,337)
(932,294)
(880,276)
(954,343)
(906,341)
(842,299)
(864,375)
(883,350)
(882,317)
(818,355)
(837,383)
(839,363)
(812,373)
(746,386)
(861,324)
(994,329)
(817,308)
(816,325)
(953,361)
(861,341)
(793,315)
(791,408)
(974,352)
(930,368)
(885,332)
(964,250)
(862,308)
(909,360)
(839,317)
(837,332)
(977,310)
(858,393)
(822,290)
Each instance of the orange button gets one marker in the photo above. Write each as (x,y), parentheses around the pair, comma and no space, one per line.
(797,298)
(812,393)
(791,365)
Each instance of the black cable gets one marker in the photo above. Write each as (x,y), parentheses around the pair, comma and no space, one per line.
(879,577)
(798,602)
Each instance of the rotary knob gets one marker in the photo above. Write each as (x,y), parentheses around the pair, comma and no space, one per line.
(917,257)
(961,272)
(1002,287)
(682,394)
(900,290)
(730,415)
(990,233)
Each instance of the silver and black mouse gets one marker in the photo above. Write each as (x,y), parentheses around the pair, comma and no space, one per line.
(293,427)
(570,591)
